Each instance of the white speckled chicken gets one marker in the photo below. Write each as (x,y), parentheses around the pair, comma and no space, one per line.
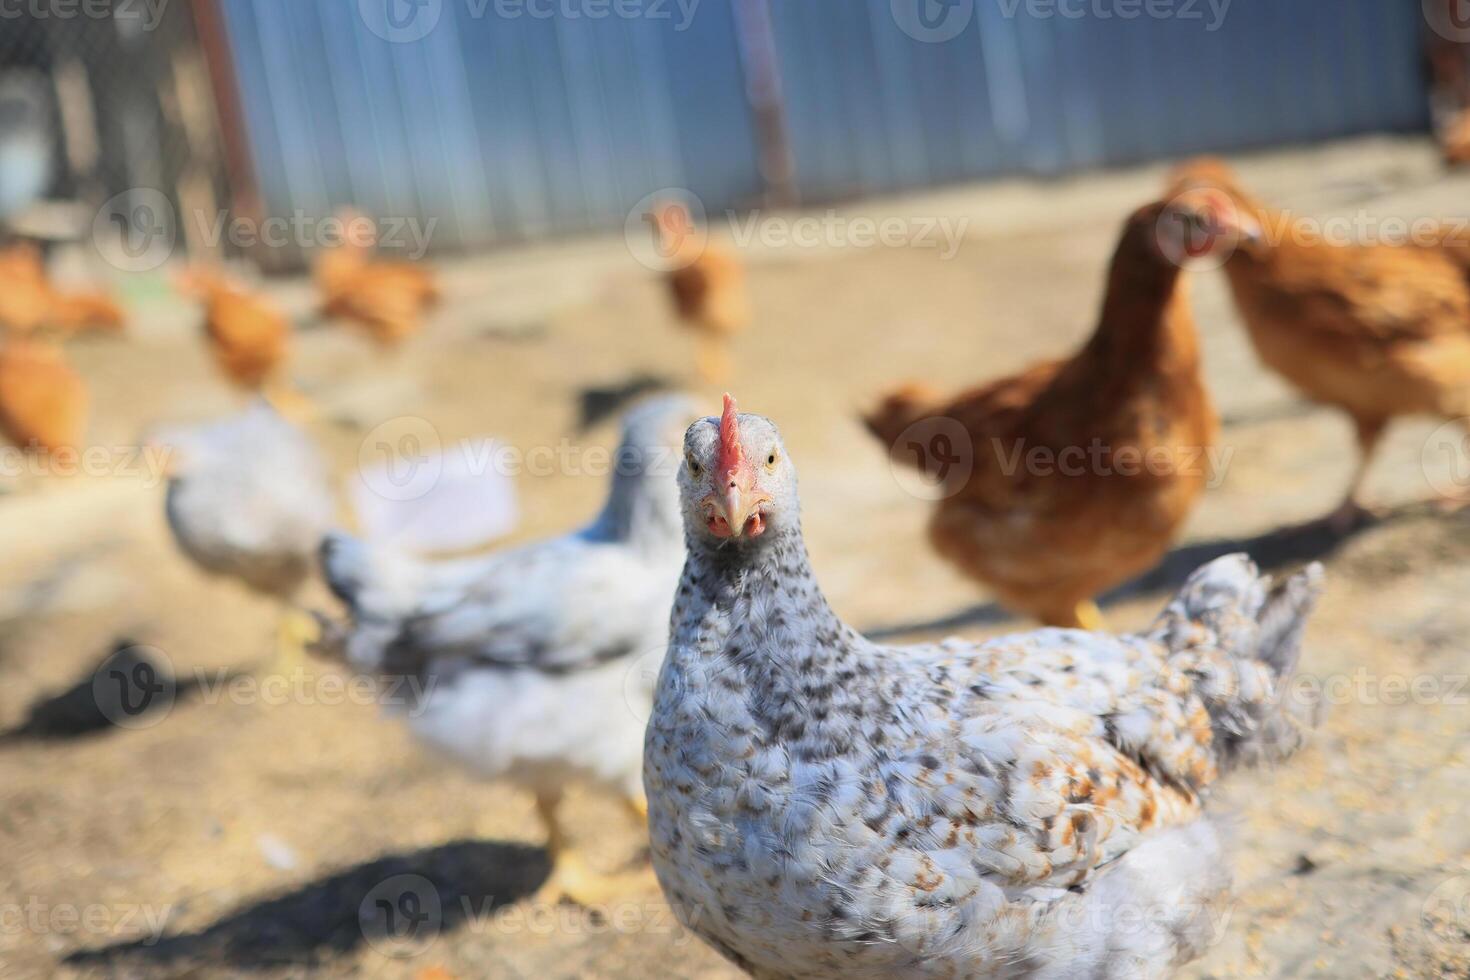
(822,806)
(538,662)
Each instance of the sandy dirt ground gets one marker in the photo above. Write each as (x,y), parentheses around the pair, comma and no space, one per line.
(245,832)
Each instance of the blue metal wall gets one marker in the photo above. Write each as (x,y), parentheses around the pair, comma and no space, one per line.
(509,128)
(502,128)
(871,108)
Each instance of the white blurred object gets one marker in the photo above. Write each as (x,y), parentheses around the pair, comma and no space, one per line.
(276,852)
(25,141)
(467,505)
(249,497)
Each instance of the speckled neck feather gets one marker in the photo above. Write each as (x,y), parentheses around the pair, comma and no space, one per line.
(756,609)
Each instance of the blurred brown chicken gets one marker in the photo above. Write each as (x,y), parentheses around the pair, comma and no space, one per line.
(387,299)
(707,285)
(1454,139)
(86,312)
(1073,476)
(249,337)
(1378,330)
(30,302)
(43,401)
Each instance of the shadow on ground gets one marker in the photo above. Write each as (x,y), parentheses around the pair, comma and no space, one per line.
(392,902)
(128,688)
(1277,549)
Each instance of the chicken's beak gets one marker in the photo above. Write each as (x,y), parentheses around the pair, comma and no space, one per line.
(736,512)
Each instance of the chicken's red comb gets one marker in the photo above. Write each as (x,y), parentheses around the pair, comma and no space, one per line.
(1219,202)
(731,455)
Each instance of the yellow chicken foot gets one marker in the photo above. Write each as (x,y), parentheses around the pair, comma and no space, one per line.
(296,632)
(571,879)
(1089,617)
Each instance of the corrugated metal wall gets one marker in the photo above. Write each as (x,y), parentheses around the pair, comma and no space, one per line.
(871,108)
(502,128)
(514,127)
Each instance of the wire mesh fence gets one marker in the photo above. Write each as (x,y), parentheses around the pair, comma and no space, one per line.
(103,102)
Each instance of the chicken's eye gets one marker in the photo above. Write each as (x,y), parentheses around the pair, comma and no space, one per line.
(690,462)
(771,460)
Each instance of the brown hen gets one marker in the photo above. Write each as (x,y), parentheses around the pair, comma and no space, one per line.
(43,401)
(386,299)
(707,286)
(30,302)
(1077,474)
(249,337)
(1378,330)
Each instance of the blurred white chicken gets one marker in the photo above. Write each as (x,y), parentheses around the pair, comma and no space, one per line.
(529,658)
(249,498)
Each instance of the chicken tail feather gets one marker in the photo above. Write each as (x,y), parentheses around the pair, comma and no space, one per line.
(1238,637)
(898,411)
(347,567)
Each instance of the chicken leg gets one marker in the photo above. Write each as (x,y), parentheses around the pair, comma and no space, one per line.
(571,879)
(297,632)
(1083,615)
(1089,617)
(1351,513)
